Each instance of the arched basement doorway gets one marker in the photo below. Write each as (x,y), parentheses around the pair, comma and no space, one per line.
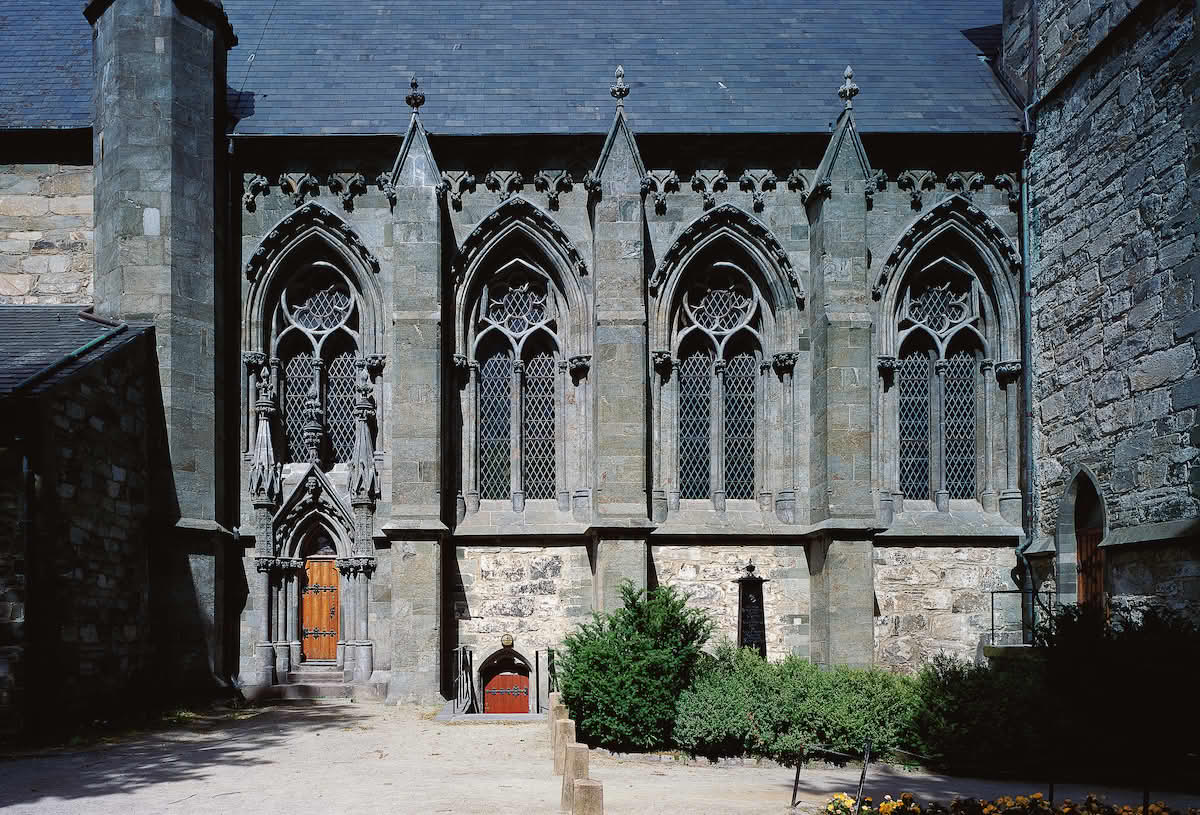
(1080,529)
(504,677)
(1089,557)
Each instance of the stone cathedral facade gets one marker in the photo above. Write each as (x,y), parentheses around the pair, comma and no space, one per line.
(424,391)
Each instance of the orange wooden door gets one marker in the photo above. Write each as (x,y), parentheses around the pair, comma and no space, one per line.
(506,693)
(319,610)
(1089,564)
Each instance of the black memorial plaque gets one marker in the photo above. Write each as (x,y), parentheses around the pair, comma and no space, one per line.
(752,621)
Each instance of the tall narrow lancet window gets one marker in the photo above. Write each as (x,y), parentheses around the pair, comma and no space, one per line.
(718,334)
(317,342)
(517,357)
(939,384)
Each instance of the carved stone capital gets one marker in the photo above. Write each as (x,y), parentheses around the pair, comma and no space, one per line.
(719,366)
(886,364)
(941,366)
(1009,369)
(785,362)
(264,564)
(253,360)
(580,364)
(663,361)
(986,365)
(375,363)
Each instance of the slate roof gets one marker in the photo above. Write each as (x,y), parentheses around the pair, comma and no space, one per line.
(519,66)
(32,337)
(45,65)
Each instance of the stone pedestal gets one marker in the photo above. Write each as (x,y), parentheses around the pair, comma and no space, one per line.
(618,560)
(416,622)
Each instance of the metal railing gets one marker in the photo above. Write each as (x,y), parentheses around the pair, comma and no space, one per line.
(1019,612)
(464,680)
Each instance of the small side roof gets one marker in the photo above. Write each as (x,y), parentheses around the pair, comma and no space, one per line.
(33,338)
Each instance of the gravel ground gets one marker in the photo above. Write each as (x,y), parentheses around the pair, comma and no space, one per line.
(371,758)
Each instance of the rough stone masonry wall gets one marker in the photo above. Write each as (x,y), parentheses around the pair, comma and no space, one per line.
(45,233)
(90,623)
(707,574)
(536,593)
(13,567)
(1115,270)
(935,599)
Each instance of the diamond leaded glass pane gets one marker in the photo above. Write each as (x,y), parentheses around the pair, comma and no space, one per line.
(339,406)
(297,378)
(912,379)
(739,426)
(537,427)
(324,310)
(495,413)
(960,425)
(695,373)
(723,309)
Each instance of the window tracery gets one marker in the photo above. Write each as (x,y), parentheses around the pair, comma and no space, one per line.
(517,356)
(718,381)
(317,345)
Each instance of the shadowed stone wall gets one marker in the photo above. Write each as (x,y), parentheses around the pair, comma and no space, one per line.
(45,233)
(1115,259)
(81,638)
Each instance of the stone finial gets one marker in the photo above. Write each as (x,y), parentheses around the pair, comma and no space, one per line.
(415,98)
(620,90)
(848,90)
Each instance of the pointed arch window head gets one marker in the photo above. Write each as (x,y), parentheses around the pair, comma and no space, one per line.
(317,342)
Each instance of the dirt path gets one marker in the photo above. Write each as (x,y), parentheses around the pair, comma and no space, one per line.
(348,758)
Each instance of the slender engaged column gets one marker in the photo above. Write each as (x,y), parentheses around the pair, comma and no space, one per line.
(716,437)
(1009,373)
(988,498)
(514,437)
(472,479)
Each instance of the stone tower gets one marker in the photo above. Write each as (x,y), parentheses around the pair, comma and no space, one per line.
(160,229)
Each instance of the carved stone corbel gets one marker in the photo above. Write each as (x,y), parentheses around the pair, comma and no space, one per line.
(785,362)
(580,365)
(663,362)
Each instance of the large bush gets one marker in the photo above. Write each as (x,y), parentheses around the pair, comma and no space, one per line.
(622,673)
(744,705)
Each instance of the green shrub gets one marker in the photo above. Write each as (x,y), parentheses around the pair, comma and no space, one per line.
(974,718)
(744,705)
(622,673)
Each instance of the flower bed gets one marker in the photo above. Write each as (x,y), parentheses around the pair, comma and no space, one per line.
(1035,804)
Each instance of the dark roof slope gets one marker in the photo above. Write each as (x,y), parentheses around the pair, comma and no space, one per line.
(34,337)
(695,66)
(45,65)
(518,66)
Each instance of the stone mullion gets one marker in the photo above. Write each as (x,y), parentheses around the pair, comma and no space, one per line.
(785,501)
(560,435)
(988,496)
(516,426)
(716,451)
(888,454)
(942,495)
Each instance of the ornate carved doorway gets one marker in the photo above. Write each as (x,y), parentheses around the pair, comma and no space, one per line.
(319,609)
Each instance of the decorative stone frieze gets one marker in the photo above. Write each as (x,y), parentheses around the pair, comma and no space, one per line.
(553,186)
(257,185)
(659,183)
(346,186)
(298,185)
(907,181)
(757,184)
(504,182)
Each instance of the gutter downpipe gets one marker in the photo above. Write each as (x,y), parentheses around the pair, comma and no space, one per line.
(1027,368)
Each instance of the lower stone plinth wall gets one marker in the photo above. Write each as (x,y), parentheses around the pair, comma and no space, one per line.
(45,233)
(934,599)
(1162,574)
(539,594)
(707,574)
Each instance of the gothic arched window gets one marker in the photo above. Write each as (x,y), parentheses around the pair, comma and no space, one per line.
(316,342)
(939,386)
(516,359)
(720,351)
